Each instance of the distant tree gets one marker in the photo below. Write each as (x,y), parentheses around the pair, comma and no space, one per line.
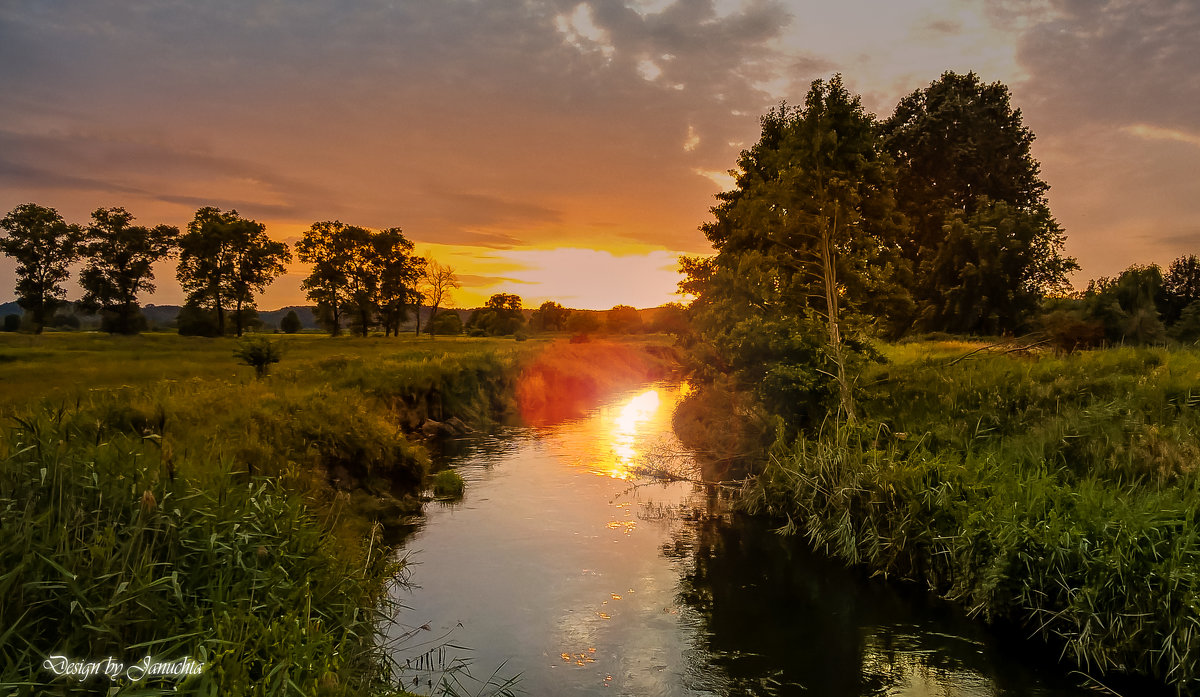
(290,324)
(44,246)
(1180,288)
(399,273)
(194,320)
(623,319)
(437,283)
(963,152)
(583,322)
(1125,305)
(445,322)
(119,265)
(500,315)
(12,323)
(330,252)
(225,260)
(670,319)
(550,317)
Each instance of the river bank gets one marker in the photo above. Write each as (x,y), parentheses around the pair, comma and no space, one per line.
(1057,495)
(157,497)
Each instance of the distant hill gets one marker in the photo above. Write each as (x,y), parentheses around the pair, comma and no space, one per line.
(11,308)
(164,315)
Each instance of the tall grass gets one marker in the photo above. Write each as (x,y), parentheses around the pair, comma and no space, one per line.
(106,553)
(1058,493)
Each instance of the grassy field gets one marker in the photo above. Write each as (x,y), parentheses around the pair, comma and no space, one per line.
(1057,492)
(157,498)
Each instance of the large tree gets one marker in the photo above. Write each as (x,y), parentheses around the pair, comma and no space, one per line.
(966,170)
(368,275)
(329,250)
(225,260)
(550,317)
(807,257)
(43,245)
(399,274)
(119,265)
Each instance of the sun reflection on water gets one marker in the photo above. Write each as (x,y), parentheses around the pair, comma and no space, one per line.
(632,416)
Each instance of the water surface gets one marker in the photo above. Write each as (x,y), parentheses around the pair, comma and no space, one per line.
(563,566)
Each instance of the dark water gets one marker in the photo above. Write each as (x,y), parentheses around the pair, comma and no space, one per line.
(562,567)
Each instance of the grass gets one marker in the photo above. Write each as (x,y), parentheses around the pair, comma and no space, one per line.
(1060,493)
(157,497)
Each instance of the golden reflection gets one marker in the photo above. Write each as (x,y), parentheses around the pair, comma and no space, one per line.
(636,412)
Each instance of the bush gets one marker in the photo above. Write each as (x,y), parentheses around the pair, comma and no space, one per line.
(12,323)
(258,352)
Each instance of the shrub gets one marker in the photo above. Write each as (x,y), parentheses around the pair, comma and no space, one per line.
(12,323)
(258,352)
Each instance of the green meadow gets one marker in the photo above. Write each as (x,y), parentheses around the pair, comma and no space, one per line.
(157,498)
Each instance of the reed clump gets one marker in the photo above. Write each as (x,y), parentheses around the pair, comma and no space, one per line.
(1059,493)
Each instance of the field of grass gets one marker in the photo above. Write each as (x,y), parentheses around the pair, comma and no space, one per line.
(157,498)
(1057,492)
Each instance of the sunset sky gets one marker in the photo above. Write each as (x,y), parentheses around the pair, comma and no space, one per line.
(558,149)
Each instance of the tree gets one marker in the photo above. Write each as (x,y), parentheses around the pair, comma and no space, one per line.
(225,260)
(623,319)
(549,317)
(807,258)
(1180,287)
(501,314)
(12,323)
(445,322)
(329,251)
(290,324)
(399,273)
(583,322)
(437,283)
(370,275)
(961,149)
(1126,306)
(120,258)
(44,246)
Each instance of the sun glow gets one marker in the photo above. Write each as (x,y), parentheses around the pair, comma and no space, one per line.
(636,412)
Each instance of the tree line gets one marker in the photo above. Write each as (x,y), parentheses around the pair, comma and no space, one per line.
(360,278)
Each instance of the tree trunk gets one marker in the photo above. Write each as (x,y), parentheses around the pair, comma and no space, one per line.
(831,307)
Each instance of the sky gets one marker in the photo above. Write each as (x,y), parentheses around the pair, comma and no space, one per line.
(556,149)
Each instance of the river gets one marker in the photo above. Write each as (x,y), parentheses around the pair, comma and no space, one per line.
(563,568)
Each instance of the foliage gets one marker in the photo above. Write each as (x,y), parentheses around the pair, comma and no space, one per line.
(370,275)
(623,319)
(194,320)
(807,250)
(966,174)
(224,260)
(12,323)
(549,317)
(990,271)
(1126,306)
(258,352)
(501,315)
(1180,288)
(290,324)
(119,266)
(44,246)
(584,322)
(446,322)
